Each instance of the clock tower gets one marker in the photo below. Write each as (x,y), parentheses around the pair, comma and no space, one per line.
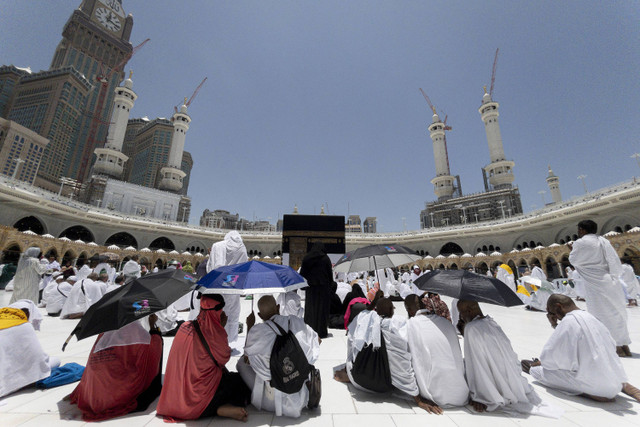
(95,39)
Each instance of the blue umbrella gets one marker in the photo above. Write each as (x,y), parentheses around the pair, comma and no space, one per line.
(253,277)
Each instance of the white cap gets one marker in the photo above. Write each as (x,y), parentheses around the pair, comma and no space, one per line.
(72,278)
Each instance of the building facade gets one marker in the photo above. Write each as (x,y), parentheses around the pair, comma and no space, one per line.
(20,151)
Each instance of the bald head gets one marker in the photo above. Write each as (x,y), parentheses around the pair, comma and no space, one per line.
(413,303)
(559,305)
(267,307)
(384,307)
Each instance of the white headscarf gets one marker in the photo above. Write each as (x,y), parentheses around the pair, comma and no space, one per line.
(35,317)
(133,333)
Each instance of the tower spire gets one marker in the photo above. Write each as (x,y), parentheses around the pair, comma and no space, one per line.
(554,186)
(109,159)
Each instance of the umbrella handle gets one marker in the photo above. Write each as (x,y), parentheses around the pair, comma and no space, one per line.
(67,341)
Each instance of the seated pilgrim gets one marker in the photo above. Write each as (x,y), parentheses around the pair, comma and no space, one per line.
(196,382)
(23,360)
(492,368)
(290,304)
(579,357)
(83,295)
(123,373)
(254,367)
(56,293)
(436,357)
(380,331)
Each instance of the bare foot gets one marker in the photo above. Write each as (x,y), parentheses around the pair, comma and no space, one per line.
(235,412)
(620,352)
(479,407)
(632,391)
(598,398)
(627,351)
(341,376)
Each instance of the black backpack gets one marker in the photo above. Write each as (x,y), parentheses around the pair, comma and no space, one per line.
(288,364)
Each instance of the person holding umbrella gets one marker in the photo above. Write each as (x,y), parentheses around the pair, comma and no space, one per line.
(316,268)
(123,373)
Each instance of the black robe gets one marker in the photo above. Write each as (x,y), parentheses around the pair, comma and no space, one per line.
(316,268)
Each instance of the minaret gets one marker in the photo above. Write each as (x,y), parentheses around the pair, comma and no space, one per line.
(500,170)
(171,174)
(110,160)
(554,185)
(443,182)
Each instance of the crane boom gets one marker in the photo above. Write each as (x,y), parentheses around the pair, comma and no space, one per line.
(195,92)
(428,101)
(493,72)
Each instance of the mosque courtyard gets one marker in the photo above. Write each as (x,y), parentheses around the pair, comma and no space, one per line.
(341,404)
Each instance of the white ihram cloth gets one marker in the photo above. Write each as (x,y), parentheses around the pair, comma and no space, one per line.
(506,278)
(539,298)
(54,296)
(84,272)
(23,360)
(538,273)
(230,251)
(111,271)
(494,373)
(35,317)
(580,358)
(290,304)
(260,340)
(342,290)
(79,301)
(598,264)
(630,280)
(131,269)
(167,319)
(395,335)
(437,360)
(27,278)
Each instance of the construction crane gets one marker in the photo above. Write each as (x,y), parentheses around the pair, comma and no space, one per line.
(193,96)
(428,101)
(493,73)
(445,128)
(102,78)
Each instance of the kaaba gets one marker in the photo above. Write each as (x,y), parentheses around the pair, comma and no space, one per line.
(300,232)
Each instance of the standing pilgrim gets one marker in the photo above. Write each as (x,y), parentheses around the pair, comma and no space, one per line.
(228,252)
(598,264)
(316,268)
(27,278)
(537,271)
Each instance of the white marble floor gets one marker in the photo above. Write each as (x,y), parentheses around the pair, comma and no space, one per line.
(342,405)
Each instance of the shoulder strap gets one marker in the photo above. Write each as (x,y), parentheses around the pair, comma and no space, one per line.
(196,326)
(58,288)
(82,287)
(282,331)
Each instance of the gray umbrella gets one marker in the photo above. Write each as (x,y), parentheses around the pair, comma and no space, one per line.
(375,257)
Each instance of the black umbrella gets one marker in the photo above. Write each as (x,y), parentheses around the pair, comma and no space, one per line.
(132,301)
(375,257)
(465,285)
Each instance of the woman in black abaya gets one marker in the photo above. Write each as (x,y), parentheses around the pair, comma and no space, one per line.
(316,268)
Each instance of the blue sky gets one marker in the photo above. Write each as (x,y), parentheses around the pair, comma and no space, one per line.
(314,102)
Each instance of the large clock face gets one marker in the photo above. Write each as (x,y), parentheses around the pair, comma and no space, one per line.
(108,19)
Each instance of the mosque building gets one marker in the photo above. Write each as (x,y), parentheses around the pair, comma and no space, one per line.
(78,115)
(500,198)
